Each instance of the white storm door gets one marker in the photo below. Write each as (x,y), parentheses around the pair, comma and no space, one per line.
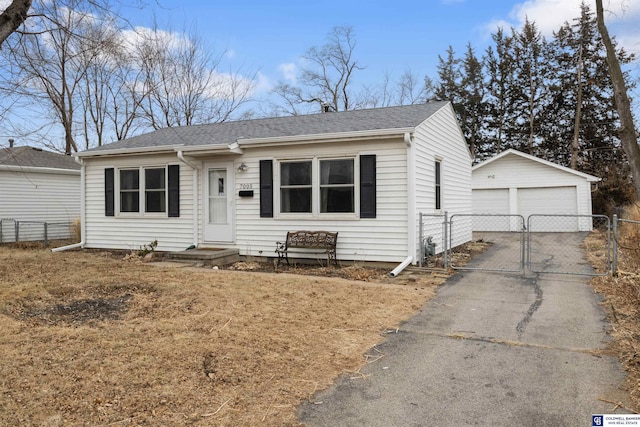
(218,203)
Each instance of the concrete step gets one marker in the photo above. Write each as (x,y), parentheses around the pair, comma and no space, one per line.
(208,256)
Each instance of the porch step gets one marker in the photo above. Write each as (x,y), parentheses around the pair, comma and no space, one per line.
(213,256)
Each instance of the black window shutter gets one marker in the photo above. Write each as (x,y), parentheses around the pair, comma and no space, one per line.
(266,188)
(174,190)
(109,205)
(368,186)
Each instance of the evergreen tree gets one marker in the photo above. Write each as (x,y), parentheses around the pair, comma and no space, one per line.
(499,69)
(472,105)
(530,91)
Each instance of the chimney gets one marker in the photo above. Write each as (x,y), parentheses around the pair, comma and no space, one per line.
(11,141)
(326,107)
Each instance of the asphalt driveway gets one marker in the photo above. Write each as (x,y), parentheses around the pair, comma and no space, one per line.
(491,349)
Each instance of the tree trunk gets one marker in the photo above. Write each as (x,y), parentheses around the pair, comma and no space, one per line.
(13,16)
(627,131)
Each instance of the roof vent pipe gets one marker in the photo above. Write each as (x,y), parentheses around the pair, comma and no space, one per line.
(11,141)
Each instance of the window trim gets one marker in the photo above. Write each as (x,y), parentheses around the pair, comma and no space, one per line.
(315,189)
(437,184)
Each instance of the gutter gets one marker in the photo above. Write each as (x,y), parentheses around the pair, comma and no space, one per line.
(322,137)
(82,211)
(195,192)
(129,151)
(401,266)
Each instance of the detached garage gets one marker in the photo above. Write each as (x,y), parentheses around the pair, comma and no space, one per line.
(515,183)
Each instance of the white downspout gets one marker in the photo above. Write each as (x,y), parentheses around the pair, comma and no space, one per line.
(401,266)
(411,209)
(82,211)
(412,217)
(196,195)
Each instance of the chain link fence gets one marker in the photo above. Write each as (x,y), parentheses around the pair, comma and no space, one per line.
(556,243)
(14,231)
(626,241)
(538,244)
(505,233)
(434,240)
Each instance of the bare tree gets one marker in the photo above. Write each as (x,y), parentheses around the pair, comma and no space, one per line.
(182,84)
(50,66)
(327,76)
(627,132)
(12,18)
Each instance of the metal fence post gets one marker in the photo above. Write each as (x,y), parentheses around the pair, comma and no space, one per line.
(420,237)
(46,240)
(1,230)
(614,254)
(17,226)
(445,260)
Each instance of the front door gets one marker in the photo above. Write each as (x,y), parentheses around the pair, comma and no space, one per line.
(218,202)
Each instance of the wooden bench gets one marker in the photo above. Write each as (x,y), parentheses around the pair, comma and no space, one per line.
(308,242)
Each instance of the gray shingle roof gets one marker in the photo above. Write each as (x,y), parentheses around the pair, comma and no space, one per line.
(408,116)
(26,156)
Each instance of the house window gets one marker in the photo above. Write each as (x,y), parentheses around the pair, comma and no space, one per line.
(150,180)
(296,187)
(317,186)
(149,190)
(337,187)
(154,190)
(438,181)
(130,190)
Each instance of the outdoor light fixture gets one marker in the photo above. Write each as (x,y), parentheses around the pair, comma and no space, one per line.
(243,167)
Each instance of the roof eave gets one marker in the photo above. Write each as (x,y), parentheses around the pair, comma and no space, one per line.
(324,137)
(588,177)
(129,151)
(35,169)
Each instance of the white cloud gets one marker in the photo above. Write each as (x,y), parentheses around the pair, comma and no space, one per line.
(549,15)
(289,71)
(621,16)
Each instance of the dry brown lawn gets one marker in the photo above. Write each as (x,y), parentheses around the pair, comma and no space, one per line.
(89,339)
(622,298)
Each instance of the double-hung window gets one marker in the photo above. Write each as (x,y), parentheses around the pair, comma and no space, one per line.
(321,186)
(147,185)
(151,190)
(337,186)
(296,187)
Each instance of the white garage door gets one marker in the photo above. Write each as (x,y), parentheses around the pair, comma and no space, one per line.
(491,201)
(549,201)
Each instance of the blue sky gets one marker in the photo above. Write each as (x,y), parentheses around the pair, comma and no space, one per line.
(392,36)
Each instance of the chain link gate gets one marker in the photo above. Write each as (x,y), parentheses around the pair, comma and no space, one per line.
(539,244)
(506,233)
(555,243)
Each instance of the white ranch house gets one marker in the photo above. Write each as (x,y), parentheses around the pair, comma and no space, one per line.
(37,186)
(366,174)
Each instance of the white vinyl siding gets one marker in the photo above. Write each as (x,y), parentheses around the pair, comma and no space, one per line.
(383,238)
(131,232)
(36,196)
(439,139)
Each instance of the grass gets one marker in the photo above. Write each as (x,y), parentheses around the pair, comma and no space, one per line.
(88,339)
(622,296)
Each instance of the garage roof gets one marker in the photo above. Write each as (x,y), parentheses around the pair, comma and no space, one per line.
(511,151)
